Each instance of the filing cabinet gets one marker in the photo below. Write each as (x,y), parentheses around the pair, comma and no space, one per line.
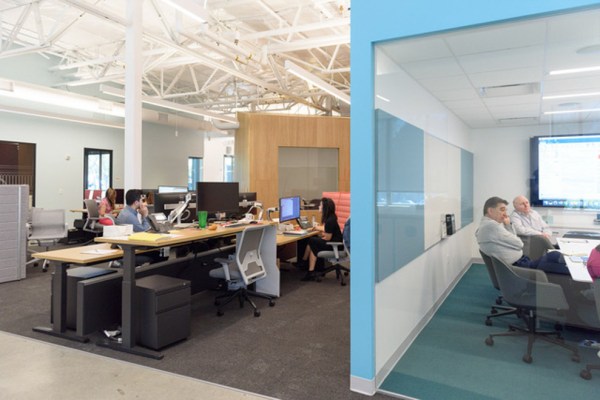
(164,310)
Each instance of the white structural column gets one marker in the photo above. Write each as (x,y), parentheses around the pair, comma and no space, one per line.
(133,97)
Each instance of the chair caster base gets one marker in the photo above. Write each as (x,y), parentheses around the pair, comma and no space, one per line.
(489,341)
(527,359)
(585,374)
(256,313)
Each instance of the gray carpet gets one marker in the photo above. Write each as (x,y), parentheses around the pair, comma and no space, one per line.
(297,350)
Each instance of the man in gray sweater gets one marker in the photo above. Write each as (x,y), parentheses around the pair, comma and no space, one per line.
(497,238)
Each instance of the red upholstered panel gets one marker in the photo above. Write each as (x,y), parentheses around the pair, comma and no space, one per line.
(342,205)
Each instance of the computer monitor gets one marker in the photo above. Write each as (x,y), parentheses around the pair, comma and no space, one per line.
(167,202)
(120,196)
(215,197)
(172,189)
(289,208)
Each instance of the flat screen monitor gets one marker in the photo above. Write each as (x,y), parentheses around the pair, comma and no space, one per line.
(120,196)
(172,189)
(215,197)
(289,208)
(565,171)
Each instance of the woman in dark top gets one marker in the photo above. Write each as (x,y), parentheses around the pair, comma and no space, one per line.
(329,232)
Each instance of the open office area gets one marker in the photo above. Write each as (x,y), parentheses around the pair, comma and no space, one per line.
(447,100)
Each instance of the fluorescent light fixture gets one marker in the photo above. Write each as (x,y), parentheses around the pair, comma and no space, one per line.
(583,110)
(575,70)
(315,80)
(170,105)
(568,96)
(383,98)
(61,117)
(189,8)
(55,97)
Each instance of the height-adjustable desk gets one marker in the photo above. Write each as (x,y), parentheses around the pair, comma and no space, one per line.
(269,285)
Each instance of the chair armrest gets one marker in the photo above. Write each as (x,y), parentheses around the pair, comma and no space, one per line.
(530,274)
(225,265)
(336,248)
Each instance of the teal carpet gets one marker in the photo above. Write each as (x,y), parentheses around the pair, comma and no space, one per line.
(449,359)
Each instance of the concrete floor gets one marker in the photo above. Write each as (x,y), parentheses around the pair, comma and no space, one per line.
(31,369)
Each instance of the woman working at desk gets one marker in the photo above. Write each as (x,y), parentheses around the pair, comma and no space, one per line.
(106,210)
(329,232)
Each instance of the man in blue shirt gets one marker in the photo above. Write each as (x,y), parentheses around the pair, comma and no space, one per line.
(135,213)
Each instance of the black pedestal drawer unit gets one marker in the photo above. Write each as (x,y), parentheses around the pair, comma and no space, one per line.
(164,310)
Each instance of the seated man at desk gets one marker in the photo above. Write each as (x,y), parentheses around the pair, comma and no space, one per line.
(135,212)
(497,237)
(527,221)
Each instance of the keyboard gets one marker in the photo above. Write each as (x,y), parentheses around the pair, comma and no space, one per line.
(236,224)
(296,232)
(184,225)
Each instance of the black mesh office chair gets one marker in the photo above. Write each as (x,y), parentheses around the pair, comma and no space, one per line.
(529,291)
(243,269)
(586,373)
(494,313)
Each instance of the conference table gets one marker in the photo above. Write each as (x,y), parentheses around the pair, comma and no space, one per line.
(575,252)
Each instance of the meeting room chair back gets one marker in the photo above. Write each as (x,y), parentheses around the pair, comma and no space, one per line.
(46,228)
(529,291)
(243,269)
(494,313)
(535,246)
(586,373)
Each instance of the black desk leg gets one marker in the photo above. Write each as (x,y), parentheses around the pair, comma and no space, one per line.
(59,307)
(129,314)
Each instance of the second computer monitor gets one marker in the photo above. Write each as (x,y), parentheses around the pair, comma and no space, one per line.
(289,208)
(215,197)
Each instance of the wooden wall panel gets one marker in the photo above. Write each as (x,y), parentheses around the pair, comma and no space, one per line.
(257,147)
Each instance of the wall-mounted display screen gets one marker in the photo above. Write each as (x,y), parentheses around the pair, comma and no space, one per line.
(565,171)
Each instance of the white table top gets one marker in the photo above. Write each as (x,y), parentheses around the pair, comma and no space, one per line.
(577,247)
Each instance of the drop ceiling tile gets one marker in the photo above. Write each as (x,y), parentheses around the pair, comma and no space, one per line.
(446,83)
(440,67)
(502,60)
(403,51)
(506,77)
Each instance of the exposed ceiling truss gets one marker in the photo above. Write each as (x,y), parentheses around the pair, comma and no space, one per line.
(233,61)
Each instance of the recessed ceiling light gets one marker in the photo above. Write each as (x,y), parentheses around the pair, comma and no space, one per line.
(574,70)
(572,111)
(568,96)
(593,49)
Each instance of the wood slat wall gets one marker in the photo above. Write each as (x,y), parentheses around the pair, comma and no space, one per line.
(259,137)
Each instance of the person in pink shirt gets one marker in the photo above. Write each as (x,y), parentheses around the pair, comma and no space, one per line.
(107,207)
(593,263)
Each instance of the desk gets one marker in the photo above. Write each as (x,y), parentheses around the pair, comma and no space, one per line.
(577,247)
(61,259)
(129,318)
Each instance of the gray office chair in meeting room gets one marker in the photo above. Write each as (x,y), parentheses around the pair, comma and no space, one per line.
(242,269)
(338,257)
(46,228)
(494,313)
(586,373)
(530,291)
(535,246)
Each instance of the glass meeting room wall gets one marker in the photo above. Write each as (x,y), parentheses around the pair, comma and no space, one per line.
(404,298)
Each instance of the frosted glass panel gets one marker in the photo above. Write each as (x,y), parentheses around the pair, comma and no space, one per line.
(400,193)
(466,197)
(307,171)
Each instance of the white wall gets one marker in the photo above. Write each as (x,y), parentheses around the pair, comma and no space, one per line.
(59,182)
(214,150)
(404,301)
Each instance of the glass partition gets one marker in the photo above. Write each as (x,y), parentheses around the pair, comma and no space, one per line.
(307,171)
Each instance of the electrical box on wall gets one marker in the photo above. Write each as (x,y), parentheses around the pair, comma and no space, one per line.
(450,224)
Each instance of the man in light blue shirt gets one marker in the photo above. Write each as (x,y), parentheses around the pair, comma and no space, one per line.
(135,213)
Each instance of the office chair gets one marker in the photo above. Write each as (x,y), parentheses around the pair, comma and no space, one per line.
(530,291)
(46,228)
(535,246)
(507,310)
(586,372)
(338,257)
(242,269)
(93,216)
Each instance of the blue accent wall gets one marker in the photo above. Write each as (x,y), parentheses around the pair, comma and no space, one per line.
(374,22)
